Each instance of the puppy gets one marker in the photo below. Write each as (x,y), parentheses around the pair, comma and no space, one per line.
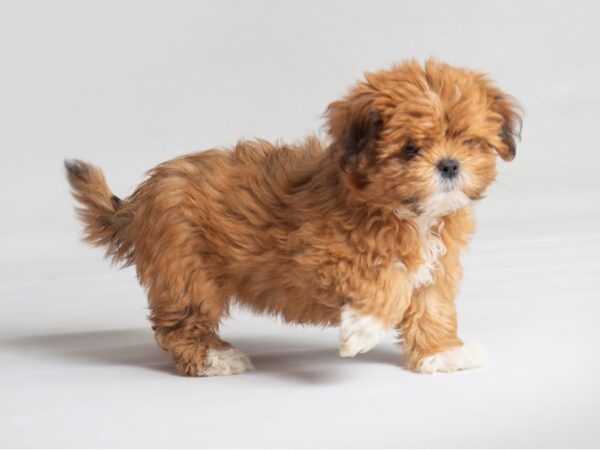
(363,233)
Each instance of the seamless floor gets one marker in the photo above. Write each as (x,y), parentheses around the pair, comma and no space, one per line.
(80,367)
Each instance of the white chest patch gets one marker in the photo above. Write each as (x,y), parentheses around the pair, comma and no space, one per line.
(432,247)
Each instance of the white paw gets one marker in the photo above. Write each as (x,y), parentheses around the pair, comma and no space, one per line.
(358,333)
(467,356)
(225,362)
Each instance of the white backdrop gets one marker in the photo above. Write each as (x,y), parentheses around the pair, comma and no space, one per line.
(129,84)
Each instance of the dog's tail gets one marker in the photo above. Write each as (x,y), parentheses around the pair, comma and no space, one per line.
(104,215)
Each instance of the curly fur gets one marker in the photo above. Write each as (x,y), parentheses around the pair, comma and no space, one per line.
(300,231)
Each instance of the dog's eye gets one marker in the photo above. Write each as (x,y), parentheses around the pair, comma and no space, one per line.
(410,149)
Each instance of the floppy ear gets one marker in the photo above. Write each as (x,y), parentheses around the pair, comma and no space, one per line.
(354,125)
(507,110)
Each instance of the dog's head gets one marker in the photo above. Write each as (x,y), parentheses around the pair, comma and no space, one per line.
(422,140)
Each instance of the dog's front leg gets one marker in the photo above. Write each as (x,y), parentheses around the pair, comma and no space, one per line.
(428,330)
(371,310)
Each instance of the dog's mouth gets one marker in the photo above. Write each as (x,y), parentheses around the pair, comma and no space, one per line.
(447,197)
(448,186)
(457,187)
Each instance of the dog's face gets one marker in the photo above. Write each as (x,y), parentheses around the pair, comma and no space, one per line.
(422,141)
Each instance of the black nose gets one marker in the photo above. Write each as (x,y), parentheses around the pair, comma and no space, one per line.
(448,168)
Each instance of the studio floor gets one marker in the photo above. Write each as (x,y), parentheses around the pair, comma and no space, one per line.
(80,367)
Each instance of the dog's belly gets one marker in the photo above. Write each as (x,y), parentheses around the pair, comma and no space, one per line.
(300,303)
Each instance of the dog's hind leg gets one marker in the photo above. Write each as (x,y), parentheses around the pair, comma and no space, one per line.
(188,330)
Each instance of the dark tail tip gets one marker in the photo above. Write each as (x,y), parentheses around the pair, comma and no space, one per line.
(76,169)
(116,201)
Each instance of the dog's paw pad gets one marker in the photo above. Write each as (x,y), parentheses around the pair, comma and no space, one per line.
(468,356)
(230,361)
(359,333)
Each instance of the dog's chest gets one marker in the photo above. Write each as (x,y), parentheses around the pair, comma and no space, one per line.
(432,248)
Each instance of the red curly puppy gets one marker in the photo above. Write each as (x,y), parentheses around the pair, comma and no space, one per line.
(363,233)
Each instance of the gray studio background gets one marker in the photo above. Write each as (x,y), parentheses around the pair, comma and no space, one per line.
(127,85)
